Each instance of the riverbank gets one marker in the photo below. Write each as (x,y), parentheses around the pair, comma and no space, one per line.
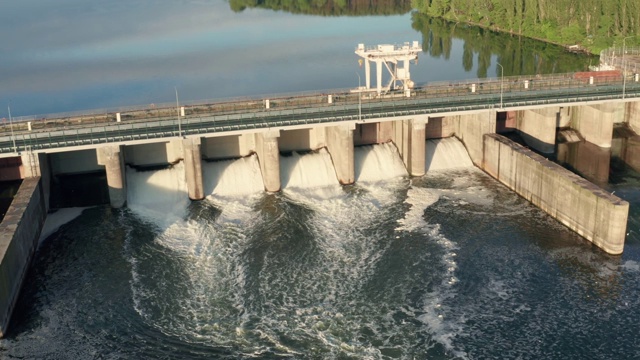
(583,27)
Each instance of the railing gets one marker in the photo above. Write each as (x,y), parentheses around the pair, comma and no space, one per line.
(627,58)
(161,121)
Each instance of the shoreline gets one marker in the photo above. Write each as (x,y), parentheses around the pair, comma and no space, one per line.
(575,48)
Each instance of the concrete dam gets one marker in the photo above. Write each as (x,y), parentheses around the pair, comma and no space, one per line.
(340,136)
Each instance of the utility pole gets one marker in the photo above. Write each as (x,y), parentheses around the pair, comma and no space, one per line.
(13,138)
(359,99)
(178,112)
(501,84)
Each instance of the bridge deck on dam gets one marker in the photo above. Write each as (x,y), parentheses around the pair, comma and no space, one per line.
(40,133)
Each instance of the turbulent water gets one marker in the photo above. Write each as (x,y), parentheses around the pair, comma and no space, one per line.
(450,265)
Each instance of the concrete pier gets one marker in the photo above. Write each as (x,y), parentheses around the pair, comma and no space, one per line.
(470,129)
(593,213)
(19,234)
(339,140)
(538,128)
(632,115)
(269,158)
(595,122)
(112,159)
(410,139)
(193,168)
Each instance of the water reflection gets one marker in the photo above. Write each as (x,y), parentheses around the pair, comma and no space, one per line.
(518,55)
(588,160)
(626,146)
(328,7)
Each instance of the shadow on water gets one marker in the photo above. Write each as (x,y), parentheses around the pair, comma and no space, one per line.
(79,190)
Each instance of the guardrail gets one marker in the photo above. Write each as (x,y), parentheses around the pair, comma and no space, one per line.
(325,107)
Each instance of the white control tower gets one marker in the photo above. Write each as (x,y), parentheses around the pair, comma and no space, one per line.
(389,56)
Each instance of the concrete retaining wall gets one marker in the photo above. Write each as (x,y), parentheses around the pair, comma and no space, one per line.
(19,233)
(583,207)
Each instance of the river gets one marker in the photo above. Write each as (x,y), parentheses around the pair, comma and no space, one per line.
(451,265)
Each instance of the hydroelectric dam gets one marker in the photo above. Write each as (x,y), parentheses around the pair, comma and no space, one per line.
(477,113)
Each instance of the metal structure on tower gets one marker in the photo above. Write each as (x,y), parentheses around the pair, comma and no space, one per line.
(395,58)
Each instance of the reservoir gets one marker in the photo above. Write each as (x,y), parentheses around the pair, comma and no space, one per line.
(450,265)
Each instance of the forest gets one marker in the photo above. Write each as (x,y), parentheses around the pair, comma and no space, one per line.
(328,7)
(518,55)
(590,24)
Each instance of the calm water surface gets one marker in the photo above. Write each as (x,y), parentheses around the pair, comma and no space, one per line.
(451,265)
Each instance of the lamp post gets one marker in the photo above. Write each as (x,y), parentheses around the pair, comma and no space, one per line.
(13,138)
(501,83)
(178,112)
(624,65)
(359,99)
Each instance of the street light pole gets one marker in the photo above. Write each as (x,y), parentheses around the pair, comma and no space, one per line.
(501,83)
(13,138)
(359,99)
(624,65)
(178,111)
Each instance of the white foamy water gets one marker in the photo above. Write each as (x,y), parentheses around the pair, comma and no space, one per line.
(310,170)
(435,313)
(233,177)
(303,297)
(378,162)
(205,253)
(445,154)
(158,194)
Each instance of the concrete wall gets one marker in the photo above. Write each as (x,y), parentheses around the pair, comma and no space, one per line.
(10,168)
(470,129)
(583,207)
(373,133)
(164,152)
(302,139)
(564,117)
(74,162)
(440,127)
(590,161)
(632,115)
(19,233)
(595,122)
(627,149)
(538,128)
(227,147)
